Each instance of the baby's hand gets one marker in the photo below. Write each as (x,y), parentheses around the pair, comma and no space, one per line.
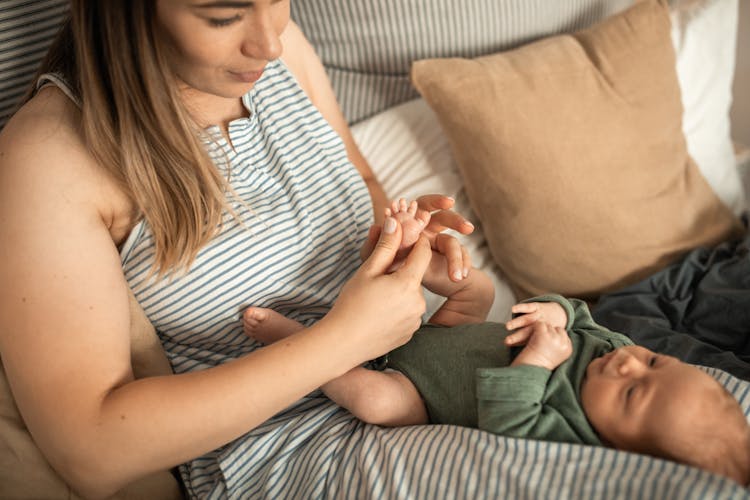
(546,346)
(529,313)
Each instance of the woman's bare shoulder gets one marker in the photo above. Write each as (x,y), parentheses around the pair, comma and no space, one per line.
(48,122)
(42,148)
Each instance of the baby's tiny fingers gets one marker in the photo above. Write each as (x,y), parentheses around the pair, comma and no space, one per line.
(523,320)
(519,336)
(525,307)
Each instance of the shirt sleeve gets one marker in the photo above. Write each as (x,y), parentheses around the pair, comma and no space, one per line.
(510,402)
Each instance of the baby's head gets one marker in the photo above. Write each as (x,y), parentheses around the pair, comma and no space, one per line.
(650,403)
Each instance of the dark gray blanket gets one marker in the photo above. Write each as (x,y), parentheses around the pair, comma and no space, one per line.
(697,309)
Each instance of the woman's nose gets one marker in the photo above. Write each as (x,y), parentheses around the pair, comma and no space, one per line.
(261,40)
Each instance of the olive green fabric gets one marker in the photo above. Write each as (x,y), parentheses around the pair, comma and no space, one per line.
(463,374)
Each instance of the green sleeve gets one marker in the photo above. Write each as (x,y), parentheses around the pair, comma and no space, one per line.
(510,402)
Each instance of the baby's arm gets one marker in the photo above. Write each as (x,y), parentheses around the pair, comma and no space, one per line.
(467,301)
(383,398)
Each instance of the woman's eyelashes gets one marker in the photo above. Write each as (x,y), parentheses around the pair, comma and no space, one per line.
(221,22)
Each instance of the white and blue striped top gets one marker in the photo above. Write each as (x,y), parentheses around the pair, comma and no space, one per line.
(306,213)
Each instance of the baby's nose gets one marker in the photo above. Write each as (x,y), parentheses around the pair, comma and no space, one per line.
(629,364)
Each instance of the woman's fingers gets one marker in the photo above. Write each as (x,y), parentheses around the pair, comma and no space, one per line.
(446,219)
(372,239)
(443,218)
(417,261)
(384,251)
(431,202)
(450,247)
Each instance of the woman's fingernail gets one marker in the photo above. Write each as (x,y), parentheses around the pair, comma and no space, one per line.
(457,275)
(390,225)
(466,272)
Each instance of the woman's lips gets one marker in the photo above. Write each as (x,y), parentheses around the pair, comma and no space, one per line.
(247,76)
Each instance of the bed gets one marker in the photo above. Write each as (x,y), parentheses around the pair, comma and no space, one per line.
(415,147)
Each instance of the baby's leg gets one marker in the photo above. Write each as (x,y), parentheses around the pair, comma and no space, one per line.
(268,326)
(412,220)
(385,398)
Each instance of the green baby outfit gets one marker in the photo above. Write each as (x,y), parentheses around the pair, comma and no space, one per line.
(464,376)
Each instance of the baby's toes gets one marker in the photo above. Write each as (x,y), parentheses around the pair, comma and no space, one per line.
(412,209)
(252,318)
(402,205)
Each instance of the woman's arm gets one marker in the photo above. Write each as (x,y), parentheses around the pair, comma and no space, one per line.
(64,324)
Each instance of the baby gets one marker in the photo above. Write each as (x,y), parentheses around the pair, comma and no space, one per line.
(549,373)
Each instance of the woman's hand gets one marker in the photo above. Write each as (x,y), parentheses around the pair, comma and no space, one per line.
(382,311)
(441,218)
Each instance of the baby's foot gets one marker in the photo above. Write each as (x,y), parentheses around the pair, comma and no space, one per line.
(412,221)
(267,326)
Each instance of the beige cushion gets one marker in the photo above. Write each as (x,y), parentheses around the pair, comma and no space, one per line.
(573,155)
(26,474)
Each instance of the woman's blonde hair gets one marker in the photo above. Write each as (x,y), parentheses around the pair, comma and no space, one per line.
(135,125)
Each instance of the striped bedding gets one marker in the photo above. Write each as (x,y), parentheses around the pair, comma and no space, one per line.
(448,462)
(27,27)
(368,49)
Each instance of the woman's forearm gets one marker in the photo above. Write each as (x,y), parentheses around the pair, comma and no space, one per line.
(156,423)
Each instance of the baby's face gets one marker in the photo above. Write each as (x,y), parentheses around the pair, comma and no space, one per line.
(632,394)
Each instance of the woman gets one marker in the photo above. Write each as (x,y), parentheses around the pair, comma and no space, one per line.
(172,152)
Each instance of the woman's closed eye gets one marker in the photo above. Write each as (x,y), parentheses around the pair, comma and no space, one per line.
(652,361)
(224,21)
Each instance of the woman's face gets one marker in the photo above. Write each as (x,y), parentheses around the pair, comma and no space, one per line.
(220,47)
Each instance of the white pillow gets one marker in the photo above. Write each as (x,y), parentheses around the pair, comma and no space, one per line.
(704,34)
(410,156)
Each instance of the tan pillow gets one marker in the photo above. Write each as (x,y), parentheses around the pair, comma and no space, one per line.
(573,156)
(26,474)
